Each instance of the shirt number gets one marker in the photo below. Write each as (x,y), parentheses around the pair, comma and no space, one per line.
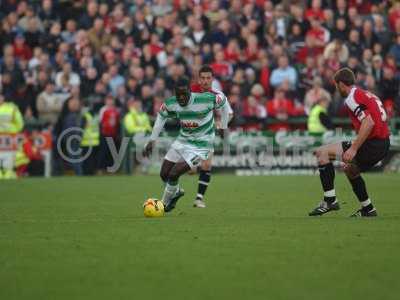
(380,105)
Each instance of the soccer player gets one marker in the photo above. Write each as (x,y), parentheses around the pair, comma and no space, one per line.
(195,111)
(369,147)
(206,77)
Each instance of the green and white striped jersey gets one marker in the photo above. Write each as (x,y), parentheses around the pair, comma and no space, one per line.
(196,118)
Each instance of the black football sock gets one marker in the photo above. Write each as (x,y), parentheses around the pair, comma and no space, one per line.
(360,190)
(327,176)
(204,180)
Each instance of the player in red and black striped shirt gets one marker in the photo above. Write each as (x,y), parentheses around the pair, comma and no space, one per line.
(371,145)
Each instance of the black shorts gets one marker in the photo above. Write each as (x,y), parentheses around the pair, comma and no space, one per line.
(370,153)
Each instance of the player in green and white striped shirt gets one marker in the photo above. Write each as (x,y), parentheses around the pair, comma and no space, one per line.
(195,141)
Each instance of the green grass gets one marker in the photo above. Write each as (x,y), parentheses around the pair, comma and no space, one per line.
(86,238)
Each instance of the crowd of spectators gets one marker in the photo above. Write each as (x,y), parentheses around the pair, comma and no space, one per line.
(273,59)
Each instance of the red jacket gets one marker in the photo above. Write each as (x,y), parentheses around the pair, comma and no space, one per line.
(305,51)
(264,79)
(315,14)
(30,149)
(222,69)
(23,52)
(275,107)
(255,110)
(109,121)
(231,56)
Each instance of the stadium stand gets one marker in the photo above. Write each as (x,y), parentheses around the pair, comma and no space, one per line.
(263,53)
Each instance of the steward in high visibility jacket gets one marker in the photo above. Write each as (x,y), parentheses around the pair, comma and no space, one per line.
(318,120)
(7,174)
(136,120)
(91,132)
(21,159)
(11,120)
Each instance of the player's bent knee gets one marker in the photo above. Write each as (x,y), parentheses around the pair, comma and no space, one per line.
(206,165)
(323,161)
(164,176)
(322,156)
(351,171)
(173,176)
(318,152)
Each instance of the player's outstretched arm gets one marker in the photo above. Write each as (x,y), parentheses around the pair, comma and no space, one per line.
(225,113)
(230,110)
(367,124)
(157,128)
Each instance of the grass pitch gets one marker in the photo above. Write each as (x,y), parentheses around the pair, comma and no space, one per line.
(86,238)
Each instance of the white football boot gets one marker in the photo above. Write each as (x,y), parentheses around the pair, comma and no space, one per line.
(199,203)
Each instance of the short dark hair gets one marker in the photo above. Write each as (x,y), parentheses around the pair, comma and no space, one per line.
(206,69)
(182,82)
(345,75)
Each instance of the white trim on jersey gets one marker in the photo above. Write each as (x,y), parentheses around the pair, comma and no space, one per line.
(354,106)
(216,85)
(215,91)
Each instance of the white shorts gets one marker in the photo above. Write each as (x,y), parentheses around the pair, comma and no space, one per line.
(191,155)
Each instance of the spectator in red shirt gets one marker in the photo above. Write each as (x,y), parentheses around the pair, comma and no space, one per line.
(156,45)
(109,119)
(222,68)
(320,34)
(394,14)
(254,114)
(232,51)
(280,108)
(253,110)
(264,74)
(315,11)
(252,48)
(21,49)
(390,62)
(310,49)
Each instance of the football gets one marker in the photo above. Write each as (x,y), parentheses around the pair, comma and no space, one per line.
(153,208)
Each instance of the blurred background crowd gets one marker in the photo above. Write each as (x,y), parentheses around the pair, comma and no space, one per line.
(65,63)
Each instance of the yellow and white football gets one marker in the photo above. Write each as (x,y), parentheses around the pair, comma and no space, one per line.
(153,208)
